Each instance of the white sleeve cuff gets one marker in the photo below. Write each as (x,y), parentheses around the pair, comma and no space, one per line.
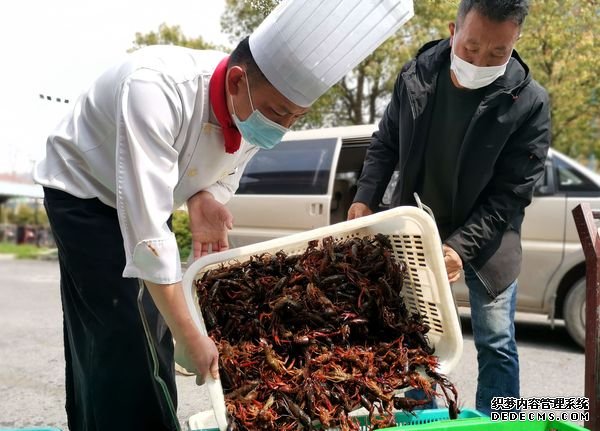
(220,192)
(155,260)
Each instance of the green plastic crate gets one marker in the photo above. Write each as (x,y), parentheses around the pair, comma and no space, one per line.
(413,421)
(485,424)
(433,415)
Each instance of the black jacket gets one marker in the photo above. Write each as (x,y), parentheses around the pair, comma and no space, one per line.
(500,160)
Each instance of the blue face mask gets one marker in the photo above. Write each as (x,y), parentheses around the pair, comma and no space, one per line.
(257,129)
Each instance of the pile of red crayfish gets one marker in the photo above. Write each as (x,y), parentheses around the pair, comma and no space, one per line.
(308,338)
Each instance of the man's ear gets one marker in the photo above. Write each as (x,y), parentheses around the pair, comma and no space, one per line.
(452,29)
(234,79)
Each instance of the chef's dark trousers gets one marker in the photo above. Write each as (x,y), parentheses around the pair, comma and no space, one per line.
(120,371)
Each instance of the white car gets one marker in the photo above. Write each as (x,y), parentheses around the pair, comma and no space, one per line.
(309,181)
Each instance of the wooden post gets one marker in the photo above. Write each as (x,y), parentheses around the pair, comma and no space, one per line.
(590,241)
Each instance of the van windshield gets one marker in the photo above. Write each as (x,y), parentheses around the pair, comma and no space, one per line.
(293,167)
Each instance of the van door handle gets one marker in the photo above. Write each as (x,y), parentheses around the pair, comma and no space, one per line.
(316,209)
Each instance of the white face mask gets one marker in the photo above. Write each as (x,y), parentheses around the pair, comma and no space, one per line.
(471,76)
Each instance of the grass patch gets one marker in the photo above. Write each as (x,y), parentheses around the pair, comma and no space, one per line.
(21,251)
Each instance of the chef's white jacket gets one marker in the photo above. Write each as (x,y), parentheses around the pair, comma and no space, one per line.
(140,140)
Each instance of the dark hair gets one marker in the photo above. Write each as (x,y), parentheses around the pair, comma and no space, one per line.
(495,10)
(242,56)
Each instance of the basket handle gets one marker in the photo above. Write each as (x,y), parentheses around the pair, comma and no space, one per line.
(422,206)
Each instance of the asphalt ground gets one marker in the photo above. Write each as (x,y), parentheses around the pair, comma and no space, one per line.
(32,363)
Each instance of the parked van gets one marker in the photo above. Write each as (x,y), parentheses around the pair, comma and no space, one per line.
(309,181)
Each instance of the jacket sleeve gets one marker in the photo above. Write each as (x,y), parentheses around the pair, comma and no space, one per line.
(517,170)
(149,116)
(382,155)
(225,188)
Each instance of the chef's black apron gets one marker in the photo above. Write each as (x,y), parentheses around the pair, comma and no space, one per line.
(118,350)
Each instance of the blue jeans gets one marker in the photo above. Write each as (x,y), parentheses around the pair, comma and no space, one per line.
(493,326)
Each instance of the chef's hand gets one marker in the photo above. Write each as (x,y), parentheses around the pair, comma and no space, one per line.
(453,263)
(195,352)
(198,355)
(209,222)
(358,209)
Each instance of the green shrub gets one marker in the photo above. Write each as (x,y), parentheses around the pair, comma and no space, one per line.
(181,229)
(21,251)
(25,214)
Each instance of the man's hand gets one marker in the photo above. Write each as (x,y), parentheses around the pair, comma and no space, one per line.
(358,209)
(195,352)
(453,263)
(209,222)
(198,355)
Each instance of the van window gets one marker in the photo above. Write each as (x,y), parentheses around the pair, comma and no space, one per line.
(571,179)
(292,168)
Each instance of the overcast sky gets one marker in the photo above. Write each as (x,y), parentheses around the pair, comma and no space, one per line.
(57,47)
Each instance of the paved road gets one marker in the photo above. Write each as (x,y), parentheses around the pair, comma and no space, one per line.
(32,365)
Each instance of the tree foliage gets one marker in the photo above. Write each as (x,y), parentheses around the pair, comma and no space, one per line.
(557,43)
(240,18)
(361,96)
(171,35)
(24,214)
(364,92)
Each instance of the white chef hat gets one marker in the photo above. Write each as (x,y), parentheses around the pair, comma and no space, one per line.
(305,46)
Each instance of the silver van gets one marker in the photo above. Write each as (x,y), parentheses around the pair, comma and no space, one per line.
(309,181)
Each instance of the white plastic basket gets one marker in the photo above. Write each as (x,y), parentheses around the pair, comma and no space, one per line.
(415,240)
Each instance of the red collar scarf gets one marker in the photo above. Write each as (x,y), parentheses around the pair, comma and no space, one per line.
(218,101)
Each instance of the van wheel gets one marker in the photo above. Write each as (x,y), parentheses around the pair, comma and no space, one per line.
(574,312)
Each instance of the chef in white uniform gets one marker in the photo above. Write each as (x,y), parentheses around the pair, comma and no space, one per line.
(167,126)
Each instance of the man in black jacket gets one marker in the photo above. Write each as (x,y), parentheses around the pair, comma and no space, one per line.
(469,130)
